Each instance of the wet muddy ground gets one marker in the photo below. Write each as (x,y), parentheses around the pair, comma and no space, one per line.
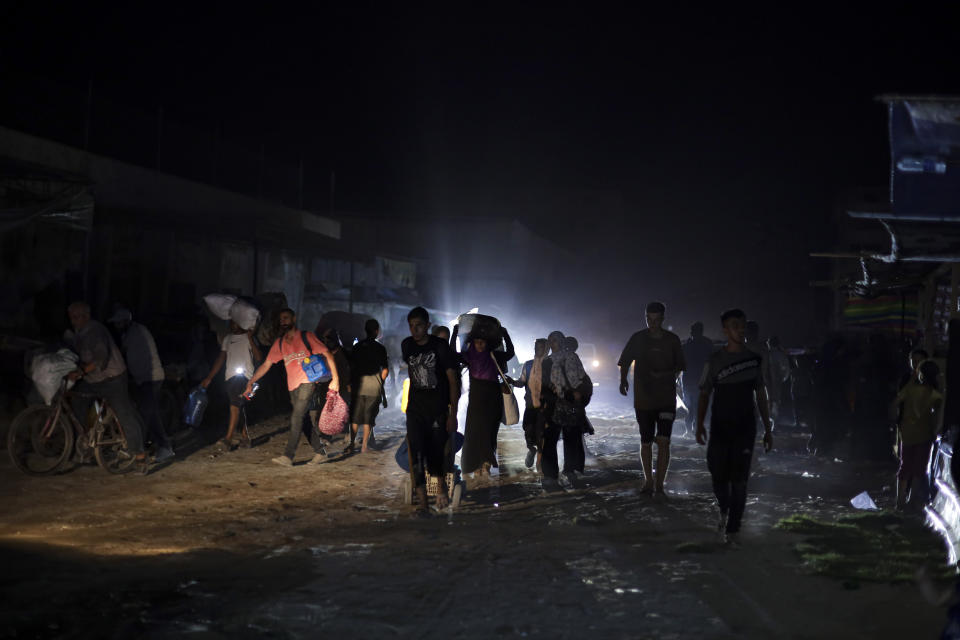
(227,545)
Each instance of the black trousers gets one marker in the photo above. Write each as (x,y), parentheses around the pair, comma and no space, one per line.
(729,453)
(573,454)
(148,401)
(531,432)
(426,440)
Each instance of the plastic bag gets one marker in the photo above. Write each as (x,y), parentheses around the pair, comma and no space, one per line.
(334,415)
(405,395)
(220,304)
(48,369)
(244,314)
(195,407)
(864,501)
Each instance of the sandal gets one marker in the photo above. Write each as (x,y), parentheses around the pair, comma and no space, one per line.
(141,465)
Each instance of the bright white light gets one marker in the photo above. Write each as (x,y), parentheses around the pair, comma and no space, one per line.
(239,370)
(596,363)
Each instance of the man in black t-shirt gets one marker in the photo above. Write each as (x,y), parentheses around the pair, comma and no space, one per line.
(734,376)
(432,404)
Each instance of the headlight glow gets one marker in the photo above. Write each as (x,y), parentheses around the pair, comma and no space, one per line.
(596,364)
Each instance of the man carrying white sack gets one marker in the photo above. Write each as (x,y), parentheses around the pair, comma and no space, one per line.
(238,351)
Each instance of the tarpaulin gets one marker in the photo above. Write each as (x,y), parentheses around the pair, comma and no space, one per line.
(886,314)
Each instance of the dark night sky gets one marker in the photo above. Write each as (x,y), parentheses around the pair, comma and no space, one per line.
(726,134)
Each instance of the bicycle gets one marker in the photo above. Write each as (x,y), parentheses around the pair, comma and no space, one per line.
(42,437)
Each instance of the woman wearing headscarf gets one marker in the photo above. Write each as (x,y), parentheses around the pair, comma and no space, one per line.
(563,409)
(531,378)
(485,406)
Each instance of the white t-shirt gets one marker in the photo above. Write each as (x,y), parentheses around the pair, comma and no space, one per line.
(239,355)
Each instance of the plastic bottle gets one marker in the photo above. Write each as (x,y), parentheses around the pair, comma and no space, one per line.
(926,164)
(196,406)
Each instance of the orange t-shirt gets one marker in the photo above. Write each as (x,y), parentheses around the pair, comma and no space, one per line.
(292,352)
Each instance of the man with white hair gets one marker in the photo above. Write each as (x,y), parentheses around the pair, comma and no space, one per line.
(101,372)
(144,366)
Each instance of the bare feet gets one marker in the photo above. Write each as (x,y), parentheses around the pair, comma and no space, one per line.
(443,501)
(422,507)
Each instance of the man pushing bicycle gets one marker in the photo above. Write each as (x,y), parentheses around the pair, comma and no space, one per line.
(103,373)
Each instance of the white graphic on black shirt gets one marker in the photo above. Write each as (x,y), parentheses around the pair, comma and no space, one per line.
(423,370)
(736,368)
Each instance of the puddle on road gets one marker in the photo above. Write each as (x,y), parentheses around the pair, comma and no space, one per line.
(678,570)
(352,549)
(604,580)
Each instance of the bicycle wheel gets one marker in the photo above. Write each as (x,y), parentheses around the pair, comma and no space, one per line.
(110,445)
(37,445)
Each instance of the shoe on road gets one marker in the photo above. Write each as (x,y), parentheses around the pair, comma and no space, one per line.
(320,457)
(283,461)
(531,456)
(164,454)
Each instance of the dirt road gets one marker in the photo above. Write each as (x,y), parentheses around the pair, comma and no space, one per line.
(228,545)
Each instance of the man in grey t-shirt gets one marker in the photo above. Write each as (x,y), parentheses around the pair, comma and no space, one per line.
(102,373)
(657,358)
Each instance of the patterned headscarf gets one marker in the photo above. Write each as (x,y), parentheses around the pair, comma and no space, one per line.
(566,372)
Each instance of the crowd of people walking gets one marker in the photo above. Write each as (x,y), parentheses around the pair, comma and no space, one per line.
(724,386)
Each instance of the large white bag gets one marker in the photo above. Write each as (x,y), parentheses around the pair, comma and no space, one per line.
(511,409)
(244,314)
(220,304)
(48,369)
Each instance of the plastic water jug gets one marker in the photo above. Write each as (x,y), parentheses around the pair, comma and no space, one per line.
(195,407)
(316,369)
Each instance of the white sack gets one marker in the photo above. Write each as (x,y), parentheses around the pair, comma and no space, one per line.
(220,304)
(48,369)
(244,314)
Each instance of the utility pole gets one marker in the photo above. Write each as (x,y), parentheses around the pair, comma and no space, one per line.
(88,115)
(263,153)
(300,184)
(333,190)
(159,136)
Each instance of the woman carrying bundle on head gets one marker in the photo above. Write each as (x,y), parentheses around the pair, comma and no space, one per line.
(485,407)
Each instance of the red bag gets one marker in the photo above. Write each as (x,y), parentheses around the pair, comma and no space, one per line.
(334,415)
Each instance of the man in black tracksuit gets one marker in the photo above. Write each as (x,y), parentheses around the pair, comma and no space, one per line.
(735,378)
